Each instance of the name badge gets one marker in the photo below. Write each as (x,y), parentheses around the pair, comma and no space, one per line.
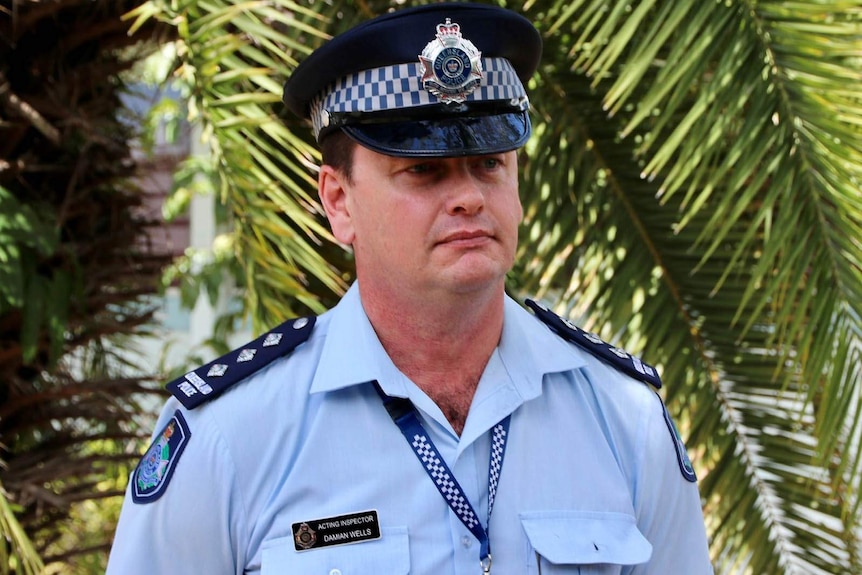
(339,530)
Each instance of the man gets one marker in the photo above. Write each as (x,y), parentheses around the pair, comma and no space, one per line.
(427,424)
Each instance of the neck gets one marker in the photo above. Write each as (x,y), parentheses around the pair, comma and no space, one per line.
(442,347)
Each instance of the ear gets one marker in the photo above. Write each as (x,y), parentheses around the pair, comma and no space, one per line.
(333,188)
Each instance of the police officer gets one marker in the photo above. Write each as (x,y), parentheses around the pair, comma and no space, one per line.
(428,423)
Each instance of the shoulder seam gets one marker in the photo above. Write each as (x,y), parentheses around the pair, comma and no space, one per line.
(592,344)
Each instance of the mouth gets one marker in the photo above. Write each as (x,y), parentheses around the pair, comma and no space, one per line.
(467,238)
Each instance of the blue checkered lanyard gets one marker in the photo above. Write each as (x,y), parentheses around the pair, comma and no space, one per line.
(405,417)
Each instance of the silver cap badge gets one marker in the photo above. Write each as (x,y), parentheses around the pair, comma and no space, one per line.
(451,65)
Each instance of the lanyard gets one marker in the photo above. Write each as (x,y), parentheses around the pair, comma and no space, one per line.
(403,413)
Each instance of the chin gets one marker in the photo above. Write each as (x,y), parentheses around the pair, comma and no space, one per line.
(473,281)
(472,272)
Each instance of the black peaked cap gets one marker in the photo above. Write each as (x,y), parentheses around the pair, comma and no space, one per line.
(400,37)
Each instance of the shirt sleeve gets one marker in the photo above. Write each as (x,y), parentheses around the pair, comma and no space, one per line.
(668,505)
(182,512)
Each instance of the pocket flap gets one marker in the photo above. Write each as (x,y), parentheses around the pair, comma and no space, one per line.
(586,537)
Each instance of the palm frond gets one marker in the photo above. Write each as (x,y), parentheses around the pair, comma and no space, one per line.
(17,554)
(715,228)
(231,54)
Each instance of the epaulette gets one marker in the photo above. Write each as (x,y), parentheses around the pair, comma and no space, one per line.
(208,381)
(591,343)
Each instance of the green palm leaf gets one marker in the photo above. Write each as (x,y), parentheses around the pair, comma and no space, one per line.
(17,554)
(231,54)
(727,191)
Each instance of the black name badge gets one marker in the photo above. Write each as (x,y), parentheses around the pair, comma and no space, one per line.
(340,530)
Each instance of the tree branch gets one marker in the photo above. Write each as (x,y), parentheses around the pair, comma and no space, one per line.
(27,112)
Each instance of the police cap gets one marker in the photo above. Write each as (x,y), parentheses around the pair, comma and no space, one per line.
(432,81)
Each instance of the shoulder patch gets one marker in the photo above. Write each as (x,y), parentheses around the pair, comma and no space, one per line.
(156,467)
(208,381)
(685,466)
(591,343)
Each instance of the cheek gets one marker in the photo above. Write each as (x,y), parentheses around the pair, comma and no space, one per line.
(392,224)
(514,211)
(408,218)
(378,227)
(510,222)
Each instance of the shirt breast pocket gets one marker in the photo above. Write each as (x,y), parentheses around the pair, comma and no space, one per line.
(583,542)
(390,554)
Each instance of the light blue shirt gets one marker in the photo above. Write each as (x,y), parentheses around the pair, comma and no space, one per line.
(590,482)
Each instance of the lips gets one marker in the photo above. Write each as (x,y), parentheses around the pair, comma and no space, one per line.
(466,237)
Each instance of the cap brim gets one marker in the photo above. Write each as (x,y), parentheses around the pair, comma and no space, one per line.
(445,137)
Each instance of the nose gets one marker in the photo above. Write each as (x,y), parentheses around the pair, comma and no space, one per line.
(466,195)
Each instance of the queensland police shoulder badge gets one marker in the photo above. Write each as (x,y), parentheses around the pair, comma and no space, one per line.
(451,65)
(155,468)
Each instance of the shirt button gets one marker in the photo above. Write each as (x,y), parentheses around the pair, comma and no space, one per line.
(335,572)
(467,542)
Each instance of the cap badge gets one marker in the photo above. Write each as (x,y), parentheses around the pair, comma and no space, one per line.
(451,65)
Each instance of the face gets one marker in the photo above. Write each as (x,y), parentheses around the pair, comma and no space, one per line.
(423,226)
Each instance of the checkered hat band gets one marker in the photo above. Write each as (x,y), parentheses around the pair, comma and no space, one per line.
(400,86)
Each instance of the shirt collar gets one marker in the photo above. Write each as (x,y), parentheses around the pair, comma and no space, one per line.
(529,350)
(352,354)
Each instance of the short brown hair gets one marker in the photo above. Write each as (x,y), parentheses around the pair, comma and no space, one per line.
(337,149)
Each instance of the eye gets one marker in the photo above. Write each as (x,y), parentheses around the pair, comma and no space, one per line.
(420,168)
(490,162)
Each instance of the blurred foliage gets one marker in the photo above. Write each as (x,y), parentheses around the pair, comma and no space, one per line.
(76,268)
(80,547)
(17,554)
